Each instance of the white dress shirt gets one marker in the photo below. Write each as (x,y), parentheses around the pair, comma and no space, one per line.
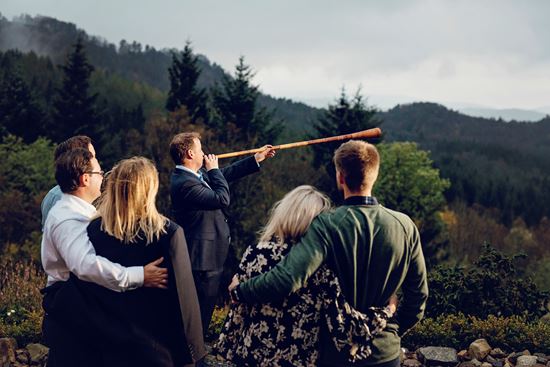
(66,249)
(181,166)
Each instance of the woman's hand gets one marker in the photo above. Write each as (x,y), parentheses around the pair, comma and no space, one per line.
(392,305)
(234,283)
(233,294)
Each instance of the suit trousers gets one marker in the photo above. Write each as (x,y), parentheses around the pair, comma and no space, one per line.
(207,283)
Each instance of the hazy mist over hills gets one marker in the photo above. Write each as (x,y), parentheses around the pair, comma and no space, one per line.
(53,38)
(508,114)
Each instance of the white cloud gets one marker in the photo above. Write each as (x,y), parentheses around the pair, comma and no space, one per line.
(491,52)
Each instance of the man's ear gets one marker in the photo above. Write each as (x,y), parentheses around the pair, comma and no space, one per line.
(189,154)
(340,177)
(84,180)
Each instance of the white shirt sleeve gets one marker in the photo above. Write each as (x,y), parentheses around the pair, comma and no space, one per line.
(73,244)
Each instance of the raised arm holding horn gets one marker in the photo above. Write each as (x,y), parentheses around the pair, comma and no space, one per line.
(365,134)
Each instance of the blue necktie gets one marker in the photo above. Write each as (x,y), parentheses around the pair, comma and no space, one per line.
(202,179)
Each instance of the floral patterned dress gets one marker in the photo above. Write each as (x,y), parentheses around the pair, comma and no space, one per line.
(287,333)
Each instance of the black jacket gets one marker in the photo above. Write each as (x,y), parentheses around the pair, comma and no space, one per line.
(199,209)
(143,327)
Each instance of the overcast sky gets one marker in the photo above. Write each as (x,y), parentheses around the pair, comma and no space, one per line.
(488,53)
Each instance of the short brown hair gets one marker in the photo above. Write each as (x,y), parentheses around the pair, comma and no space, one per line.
(358,162)
(79,141)
(70,166)
(180,144)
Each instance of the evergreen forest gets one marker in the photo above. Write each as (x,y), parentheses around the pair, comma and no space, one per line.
(477,188)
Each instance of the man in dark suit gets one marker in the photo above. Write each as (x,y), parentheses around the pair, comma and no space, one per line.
(199,197)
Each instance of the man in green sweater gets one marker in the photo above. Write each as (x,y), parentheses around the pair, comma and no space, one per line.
(374,251)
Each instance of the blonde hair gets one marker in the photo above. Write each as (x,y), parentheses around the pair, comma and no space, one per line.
(127,205)
(291,216)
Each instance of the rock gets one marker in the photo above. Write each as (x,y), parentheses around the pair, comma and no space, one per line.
(526,361)
(437,356)
(494,362)
(486,364)
(479,349)
(512,357)
(7,351)
(497,353)
(402,355)
(22,356)
(526,352)
(473,363)
(37,353)
(541,358)
(463,355)
(546,318)
(507,364)
(411,363)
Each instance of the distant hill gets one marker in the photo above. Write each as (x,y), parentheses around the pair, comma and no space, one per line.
(433,126)
(54,38)
(489,161)
(507,114)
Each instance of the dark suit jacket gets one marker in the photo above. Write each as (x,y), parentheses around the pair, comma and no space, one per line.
(199,209)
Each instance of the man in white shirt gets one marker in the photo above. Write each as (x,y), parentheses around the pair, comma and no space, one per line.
(66,247)
(78,141)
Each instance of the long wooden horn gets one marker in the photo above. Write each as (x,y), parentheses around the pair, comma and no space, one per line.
(365,134)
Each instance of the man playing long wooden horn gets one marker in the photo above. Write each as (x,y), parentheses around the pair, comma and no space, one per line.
(200,194)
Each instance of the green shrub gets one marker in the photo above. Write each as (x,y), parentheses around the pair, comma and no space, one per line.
(490,287)
(513,333)
(217,321)
(21,307)
(28,330)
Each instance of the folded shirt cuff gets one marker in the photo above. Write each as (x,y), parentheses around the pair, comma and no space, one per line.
(135,277)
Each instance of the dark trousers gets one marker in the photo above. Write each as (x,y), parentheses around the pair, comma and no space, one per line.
(207,283)
(395,363)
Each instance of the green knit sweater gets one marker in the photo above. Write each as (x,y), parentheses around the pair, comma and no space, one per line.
(375,252)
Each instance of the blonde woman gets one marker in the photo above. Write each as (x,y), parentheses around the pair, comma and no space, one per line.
(146,326)
(287,333)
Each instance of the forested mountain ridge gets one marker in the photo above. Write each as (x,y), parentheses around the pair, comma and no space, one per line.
(434,126)
(491,162)
(53,38)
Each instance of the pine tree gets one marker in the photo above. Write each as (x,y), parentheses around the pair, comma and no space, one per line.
(20,114)
(242,124)
(75,111)
(184,74)
(344,117)
(236,111)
